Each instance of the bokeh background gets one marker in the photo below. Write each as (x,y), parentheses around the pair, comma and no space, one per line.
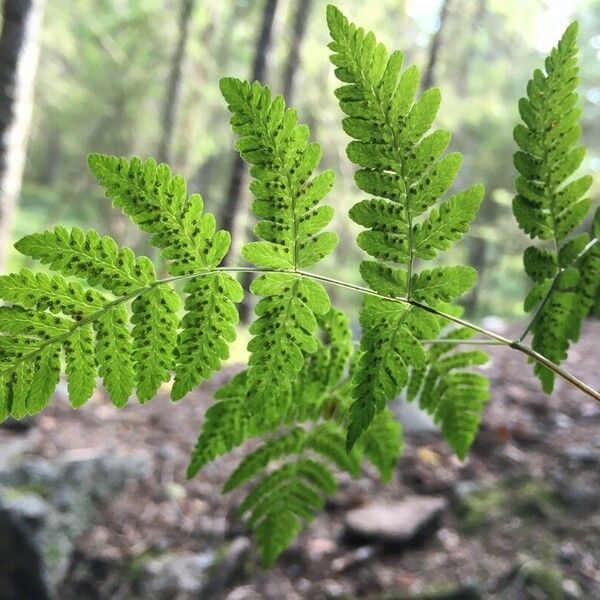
(140,77)
(113,77)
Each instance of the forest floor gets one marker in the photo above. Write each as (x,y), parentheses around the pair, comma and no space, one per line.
(523,516)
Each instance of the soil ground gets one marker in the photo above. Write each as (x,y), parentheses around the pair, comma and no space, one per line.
(523,522)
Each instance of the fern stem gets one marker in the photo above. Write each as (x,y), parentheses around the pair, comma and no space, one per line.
(545,299)
(463,342)
(540,307)
(496,337)
(514,344)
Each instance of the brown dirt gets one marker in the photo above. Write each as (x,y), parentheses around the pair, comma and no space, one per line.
(539,490)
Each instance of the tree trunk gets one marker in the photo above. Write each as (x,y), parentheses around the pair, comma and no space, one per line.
(19,53)
(293,61)
(174,86)
(229,213)
(434,48)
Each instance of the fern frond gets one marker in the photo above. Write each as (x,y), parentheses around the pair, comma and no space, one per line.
(280,504)
(114,354)
(315,393)
(286,194)
(208,328)
(53,293)
(550,204)
(382,443)
(325,440)
(157,202)
(283,332)
(155,321)
(138,348)
(80,365)
(96,259)
(451,393)
(287,197)
(405,171)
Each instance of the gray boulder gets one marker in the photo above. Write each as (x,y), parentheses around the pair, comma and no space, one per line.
(395,524)
(44,506)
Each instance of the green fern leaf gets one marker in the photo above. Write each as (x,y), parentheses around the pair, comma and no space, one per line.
(288,497)
(286,193)
(450,392)
(114,349)
(96,259)
(442,284)
(447,223)
(550,204)
(283,332)
(155,319)
(17,320)
(271,450)
(287,197)
(315,393)
(327,440)
(55,294)
(405,171)
(80,365)
(382,443)
(208,328)
(20,382)
(46,375)
(157,202)
(226,425)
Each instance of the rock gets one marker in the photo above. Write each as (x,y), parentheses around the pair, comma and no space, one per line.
(353,559)
(571,589)
(193,574)
(171,575)
(22,571)
(462,592)
(396,523)
(583,456)
(230,566)
(44,506)
(413,418)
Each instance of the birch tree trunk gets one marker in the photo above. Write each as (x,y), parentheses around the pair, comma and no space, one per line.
(19,53)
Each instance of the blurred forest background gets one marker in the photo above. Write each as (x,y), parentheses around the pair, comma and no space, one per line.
(94,503)
(141,77)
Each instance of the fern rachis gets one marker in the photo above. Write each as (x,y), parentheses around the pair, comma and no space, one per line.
(316,404)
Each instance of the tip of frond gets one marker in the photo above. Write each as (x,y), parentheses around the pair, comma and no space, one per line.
(94,158)
(570,34)
(335,18)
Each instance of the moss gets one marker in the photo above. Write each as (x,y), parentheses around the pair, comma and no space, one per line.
(548,579)
(523,497)
(28,489)
(139,561)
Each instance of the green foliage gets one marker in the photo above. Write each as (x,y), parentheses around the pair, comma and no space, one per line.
(287,197)
(550,204)
(406,172)
(157,202)
(123,325)
(309,405)
(87,255)
(451,393)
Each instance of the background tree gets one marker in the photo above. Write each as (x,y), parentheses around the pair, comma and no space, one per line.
(434,48)
(229,213)
(293,61)
(172,98)
(19,51)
